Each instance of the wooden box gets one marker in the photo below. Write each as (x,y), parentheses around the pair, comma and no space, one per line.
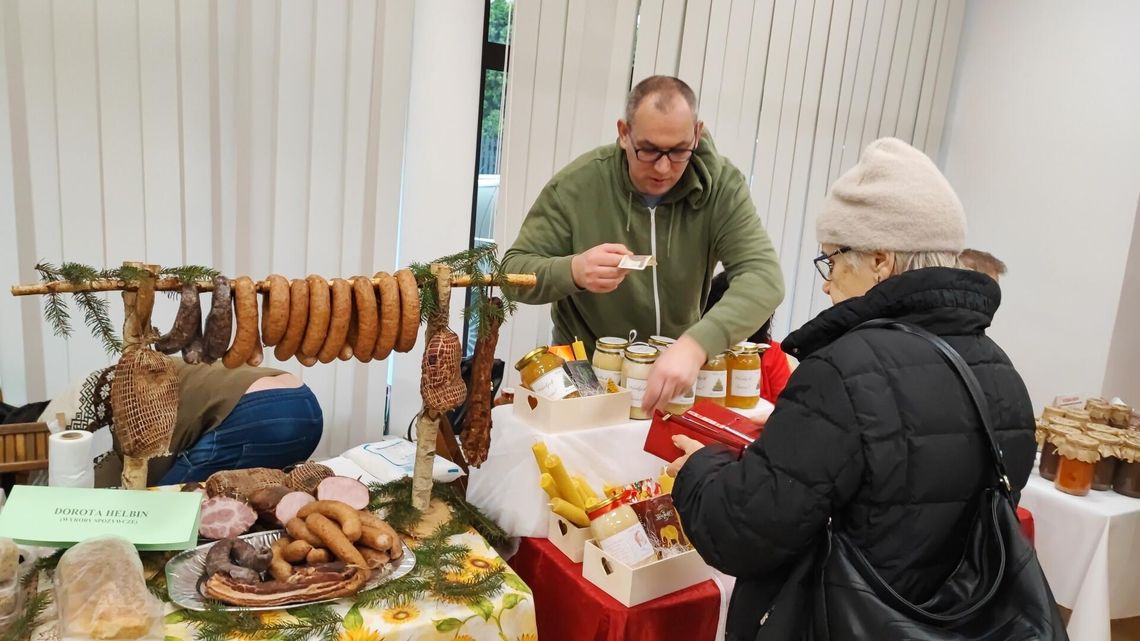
(571,414)
(634,586)
(567,537)
(24,447)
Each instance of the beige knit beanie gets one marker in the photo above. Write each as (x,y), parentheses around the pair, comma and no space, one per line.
(894,199)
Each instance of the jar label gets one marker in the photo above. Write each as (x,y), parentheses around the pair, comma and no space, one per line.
(684,398)
(636,387)
(607,375)
(746,382)
(631,546)
(554,385)
(712,384)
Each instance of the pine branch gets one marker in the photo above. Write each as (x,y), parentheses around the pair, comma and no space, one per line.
(44,564)
(403,591)
(484,584)
(23,626)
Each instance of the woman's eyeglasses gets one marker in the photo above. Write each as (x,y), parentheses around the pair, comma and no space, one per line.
(824,263)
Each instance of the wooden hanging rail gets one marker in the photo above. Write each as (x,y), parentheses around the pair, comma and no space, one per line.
(173,284)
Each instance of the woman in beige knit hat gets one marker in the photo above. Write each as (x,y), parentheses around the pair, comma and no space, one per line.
(875,435)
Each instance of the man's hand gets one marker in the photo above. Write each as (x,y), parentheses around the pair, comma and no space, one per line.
(596,269)
(673,373)
(686,445)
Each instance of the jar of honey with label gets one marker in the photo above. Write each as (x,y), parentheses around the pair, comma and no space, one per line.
(712,380)
(744,377)
(608,359)
(541,372)
(1127,478)
(1077,468)
(1106,466)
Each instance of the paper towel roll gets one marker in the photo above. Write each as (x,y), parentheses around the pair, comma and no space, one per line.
(69,459)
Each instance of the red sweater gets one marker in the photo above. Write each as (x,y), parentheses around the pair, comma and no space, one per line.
(774,372)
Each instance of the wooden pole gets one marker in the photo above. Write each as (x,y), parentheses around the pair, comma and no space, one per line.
(427,425)
(173,284)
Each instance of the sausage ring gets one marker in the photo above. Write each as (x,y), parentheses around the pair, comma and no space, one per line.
(370,520)
(245,308)
(367,319)
(298,320)
(335,540)
(219,322)
(256,357)
(319,314)
(409,310)
(347,517)
(389,315)
(340,318)
(275,310)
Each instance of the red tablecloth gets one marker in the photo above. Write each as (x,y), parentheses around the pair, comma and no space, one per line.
(570,607)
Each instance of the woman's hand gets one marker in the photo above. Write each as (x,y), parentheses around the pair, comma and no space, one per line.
(688,446)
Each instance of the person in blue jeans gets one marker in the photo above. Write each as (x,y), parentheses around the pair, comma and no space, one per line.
(231,419)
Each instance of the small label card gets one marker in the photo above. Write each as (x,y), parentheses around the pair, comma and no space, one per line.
(62,516)
(637,262)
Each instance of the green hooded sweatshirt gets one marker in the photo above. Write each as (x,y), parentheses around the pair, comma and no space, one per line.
(707,217)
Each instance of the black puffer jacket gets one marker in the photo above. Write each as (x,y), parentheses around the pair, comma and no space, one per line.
(874,428)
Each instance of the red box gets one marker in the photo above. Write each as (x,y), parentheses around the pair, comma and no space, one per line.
(705,422)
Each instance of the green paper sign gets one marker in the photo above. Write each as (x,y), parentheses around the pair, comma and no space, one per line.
(61,517)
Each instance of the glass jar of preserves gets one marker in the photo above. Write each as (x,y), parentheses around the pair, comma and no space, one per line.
(712,380)
(744,377)
(619,533)
(542,373)
(608,359)
(683,401)
(1050,459)
(1069,423)
(639,360)
(1099,411)
(1051,412)
(1077,415)
(1079,456)
(1106,466)
(1127,478)
(662,343)
(1119,415)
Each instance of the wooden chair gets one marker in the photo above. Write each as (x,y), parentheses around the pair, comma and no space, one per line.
(23,447)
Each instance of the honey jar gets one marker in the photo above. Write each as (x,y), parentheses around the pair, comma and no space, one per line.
(683,401)
(1126,481)
(712,380)
(1069,423)
(608,359)
(1079,456)
(1106,466)
(662,343)
(1050,459)
(1051,412)
(542,373)
(639,360)
(744,376)
(1077,415)
(1099,411)
(619,533)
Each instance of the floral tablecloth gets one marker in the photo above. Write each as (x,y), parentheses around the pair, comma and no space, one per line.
(509,616)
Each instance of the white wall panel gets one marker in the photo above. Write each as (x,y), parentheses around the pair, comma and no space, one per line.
(254,137)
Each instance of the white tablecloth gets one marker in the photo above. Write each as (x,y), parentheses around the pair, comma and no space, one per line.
(1089,548)
(506,485)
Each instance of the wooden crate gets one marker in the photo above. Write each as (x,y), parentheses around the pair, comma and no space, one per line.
(24,447)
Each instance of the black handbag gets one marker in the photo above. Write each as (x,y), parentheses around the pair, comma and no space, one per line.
(996,593)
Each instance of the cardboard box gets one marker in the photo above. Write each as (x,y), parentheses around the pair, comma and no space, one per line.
(634,586)
(567,537)
(571,414)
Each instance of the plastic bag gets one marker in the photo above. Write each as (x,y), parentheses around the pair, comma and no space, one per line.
(101,593)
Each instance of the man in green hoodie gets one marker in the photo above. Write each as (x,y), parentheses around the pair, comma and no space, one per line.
(662,190)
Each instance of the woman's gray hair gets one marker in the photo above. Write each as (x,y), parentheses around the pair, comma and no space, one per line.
(908,261)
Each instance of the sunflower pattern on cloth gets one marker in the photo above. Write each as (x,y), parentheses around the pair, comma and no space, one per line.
(510,615)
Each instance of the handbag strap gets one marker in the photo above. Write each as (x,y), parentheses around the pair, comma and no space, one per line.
(972,386)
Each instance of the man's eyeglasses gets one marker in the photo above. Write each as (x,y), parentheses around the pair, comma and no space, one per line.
(824,263)
(676,156)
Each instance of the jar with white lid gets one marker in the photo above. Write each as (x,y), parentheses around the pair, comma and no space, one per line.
(639,360)
(608,359)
